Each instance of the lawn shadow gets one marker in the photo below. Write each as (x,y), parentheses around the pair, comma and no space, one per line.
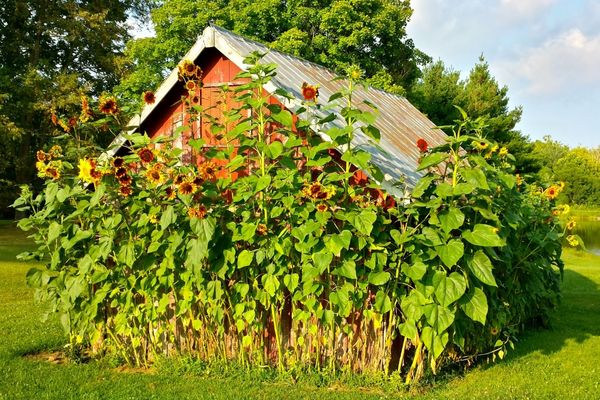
(576,319)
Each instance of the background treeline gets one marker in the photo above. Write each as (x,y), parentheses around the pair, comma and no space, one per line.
(54,52)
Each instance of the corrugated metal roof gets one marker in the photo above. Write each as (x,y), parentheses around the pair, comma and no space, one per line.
(399,122)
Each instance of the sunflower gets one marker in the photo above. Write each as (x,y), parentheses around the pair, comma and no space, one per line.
(519,179)
(149,97)
(573,240)
(186,187)
(571,224)
(146,155)
(72,122)
(179,179)
(480,145)
(503,151)
(64,125)
(422,145)
(564,209)
(41,168)
(197,212)
(41,155)
(208,170)
(321,207)
(190,86)
(125,190)
(494,331)
(155,176)
(86,111)
(552,192)
(316,191)
(119,172)
(54,119)
(170,193)
(53,173)
(118,162)
(86,166)
(310,92)
(261,230)
(125,180)
(187,69)
(108,105)
(153,219)
(198,181)
(55,151)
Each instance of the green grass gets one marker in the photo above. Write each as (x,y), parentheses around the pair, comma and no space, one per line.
(562,362)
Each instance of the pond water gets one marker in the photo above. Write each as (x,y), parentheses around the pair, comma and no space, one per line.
(589,230)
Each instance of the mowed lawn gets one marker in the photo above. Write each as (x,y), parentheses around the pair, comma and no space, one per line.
(560,363)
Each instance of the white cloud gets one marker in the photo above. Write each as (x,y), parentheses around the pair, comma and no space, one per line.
(525,8)
(571,59)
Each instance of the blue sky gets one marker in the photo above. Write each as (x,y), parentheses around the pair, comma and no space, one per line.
(546,51)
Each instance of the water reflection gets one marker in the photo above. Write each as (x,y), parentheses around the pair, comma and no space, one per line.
(589,230)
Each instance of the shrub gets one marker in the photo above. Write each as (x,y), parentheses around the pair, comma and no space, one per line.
(270,250)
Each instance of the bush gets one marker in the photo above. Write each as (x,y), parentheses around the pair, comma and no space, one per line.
(273,249)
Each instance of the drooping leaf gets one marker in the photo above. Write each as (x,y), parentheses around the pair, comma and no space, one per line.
(475,305)
(481,266)
(451,219)
(449,288)
(452,252)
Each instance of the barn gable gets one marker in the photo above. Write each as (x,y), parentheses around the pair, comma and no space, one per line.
(399,122)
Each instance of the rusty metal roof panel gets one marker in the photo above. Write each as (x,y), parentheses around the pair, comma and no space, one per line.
(399,122)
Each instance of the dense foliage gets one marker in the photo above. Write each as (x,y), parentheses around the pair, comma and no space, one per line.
(269,249)
(337,34)
(440,89)
(51,52)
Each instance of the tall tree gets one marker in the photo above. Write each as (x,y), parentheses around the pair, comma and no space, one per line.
(50,52)
(334,33)
(440,89)
(580,170)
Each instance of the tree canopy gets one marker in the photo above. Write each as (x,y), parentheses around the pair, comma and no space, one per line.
(51,52)
(440,89)
(370,34)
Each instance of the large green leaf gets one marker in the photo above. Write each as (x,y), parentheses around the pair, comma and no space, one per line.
(363,221)
(322,260)
(244,259)
(475,177)
(415,271)
(481,266)
(167,218)
(379,278)
(347,269)
(336,242)
(483,235)
(435,343)
(451,219)
(451,252)
(431,160)
(475,305)
(383,303)
(449,288)
(422,186)
(439,317)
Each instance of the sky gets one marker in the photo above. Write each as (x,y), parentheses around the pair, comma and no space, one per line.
(546,51)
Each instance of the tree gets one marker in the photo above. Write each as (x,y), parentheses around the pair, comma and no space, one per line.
(440,89)
(437,93)
(547,152)
(338,34)
(579,169)
(51,51)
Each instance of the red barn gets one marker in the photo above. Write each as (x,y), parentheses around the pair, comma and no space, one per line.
(220,54)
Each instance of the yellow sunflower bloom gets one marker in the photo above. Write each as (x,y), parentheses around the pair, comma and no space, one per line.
(86,166)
